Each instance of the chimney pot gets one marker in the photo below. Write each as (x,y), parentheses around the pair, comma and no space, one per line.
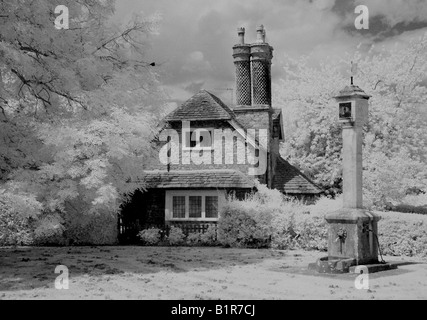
(241,34)
(242,62)
(261,55)
(260,38)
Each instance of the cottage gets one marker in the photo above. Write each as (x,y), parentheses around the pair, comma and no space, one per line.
(208,150)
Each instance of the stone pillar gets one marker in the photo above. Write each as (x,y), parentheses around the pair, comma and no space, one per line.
(352,229)
(352,165)
(241,55)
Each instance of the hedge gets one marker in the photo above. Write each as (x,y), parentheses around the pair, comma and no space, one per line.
(293,225)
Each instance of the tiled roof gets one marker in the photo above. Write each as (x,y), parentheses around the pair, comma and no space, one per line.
(290,180)
(197,179)
(202,106)
(352,90)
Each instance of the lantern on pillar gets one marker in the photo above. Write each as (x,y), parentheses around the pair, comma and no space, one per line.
(353,105)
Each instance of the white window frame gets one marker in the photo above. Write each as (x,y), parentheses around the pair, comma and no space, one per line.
(187,193)
(197,147)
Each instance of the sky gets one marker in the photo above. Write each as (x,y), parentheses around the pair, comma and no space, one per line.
(193,46)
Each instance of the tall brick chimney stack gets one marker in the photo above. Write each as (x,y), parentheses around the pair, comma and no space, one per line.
(261,53)
(253,109)
(242,57)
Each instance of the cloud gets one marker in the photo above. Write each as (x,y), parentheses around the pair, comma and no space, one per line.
(324,4)
(397,11)
(194,87)
(196,63)
(196,36)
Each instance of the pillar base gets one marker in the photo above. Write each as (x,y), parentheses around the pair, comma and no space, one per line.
(338,266)
(352,235)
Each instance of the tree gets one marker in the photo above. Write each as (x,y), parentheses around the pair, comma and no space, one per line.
(395,144)
(77,106)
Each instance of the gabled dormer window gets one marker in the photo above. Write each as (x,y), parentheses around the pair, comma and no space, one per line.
(200,139)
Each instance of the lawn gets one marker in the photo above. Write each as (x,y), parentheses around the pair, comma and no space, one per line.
(134,272)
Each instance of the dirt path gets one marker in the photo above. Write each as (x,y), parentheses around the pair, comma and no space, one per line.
(192,273)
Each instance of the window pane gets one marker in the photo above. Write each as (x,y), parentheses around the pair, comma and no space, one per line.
(206,138)
(178,207)
(211,206)
(195,206)
(188,143)
(199,138)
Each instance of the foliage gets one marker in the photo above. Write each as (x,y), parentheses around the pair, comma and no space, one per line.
(209,237)
(84,227)
(16,212)
(176,236)
(49,230)
(403,234)
(248,223)
(150,236)
(312,232)
(388,180)
(395,148)
(194,239)
(284,224)
(291,224)
(324,205)
(294,225)
(413,204)
(76,121)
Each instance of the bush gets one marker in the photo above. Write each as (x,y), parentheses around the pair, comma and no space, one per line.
(325,205)
(83,226)
(283,227)
(176,236)
(23,222)
(17,212)
(403,234)
(312,232)
(194,238)
(292,225)
(150,236)
(246,223)
(209,237)
(91,228)
(413,204)
(49,230)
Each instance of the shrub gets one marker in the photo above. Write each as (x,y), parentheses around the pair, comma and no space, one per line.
(283,224)
(312,232)
(291,225)
(83,226)
(194,238)
(325,205)
(49,230)
(91,228)
(176,236)
(244,223)
(403,234)
(413,204)
(209,237)
(17,211)
(150,236)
